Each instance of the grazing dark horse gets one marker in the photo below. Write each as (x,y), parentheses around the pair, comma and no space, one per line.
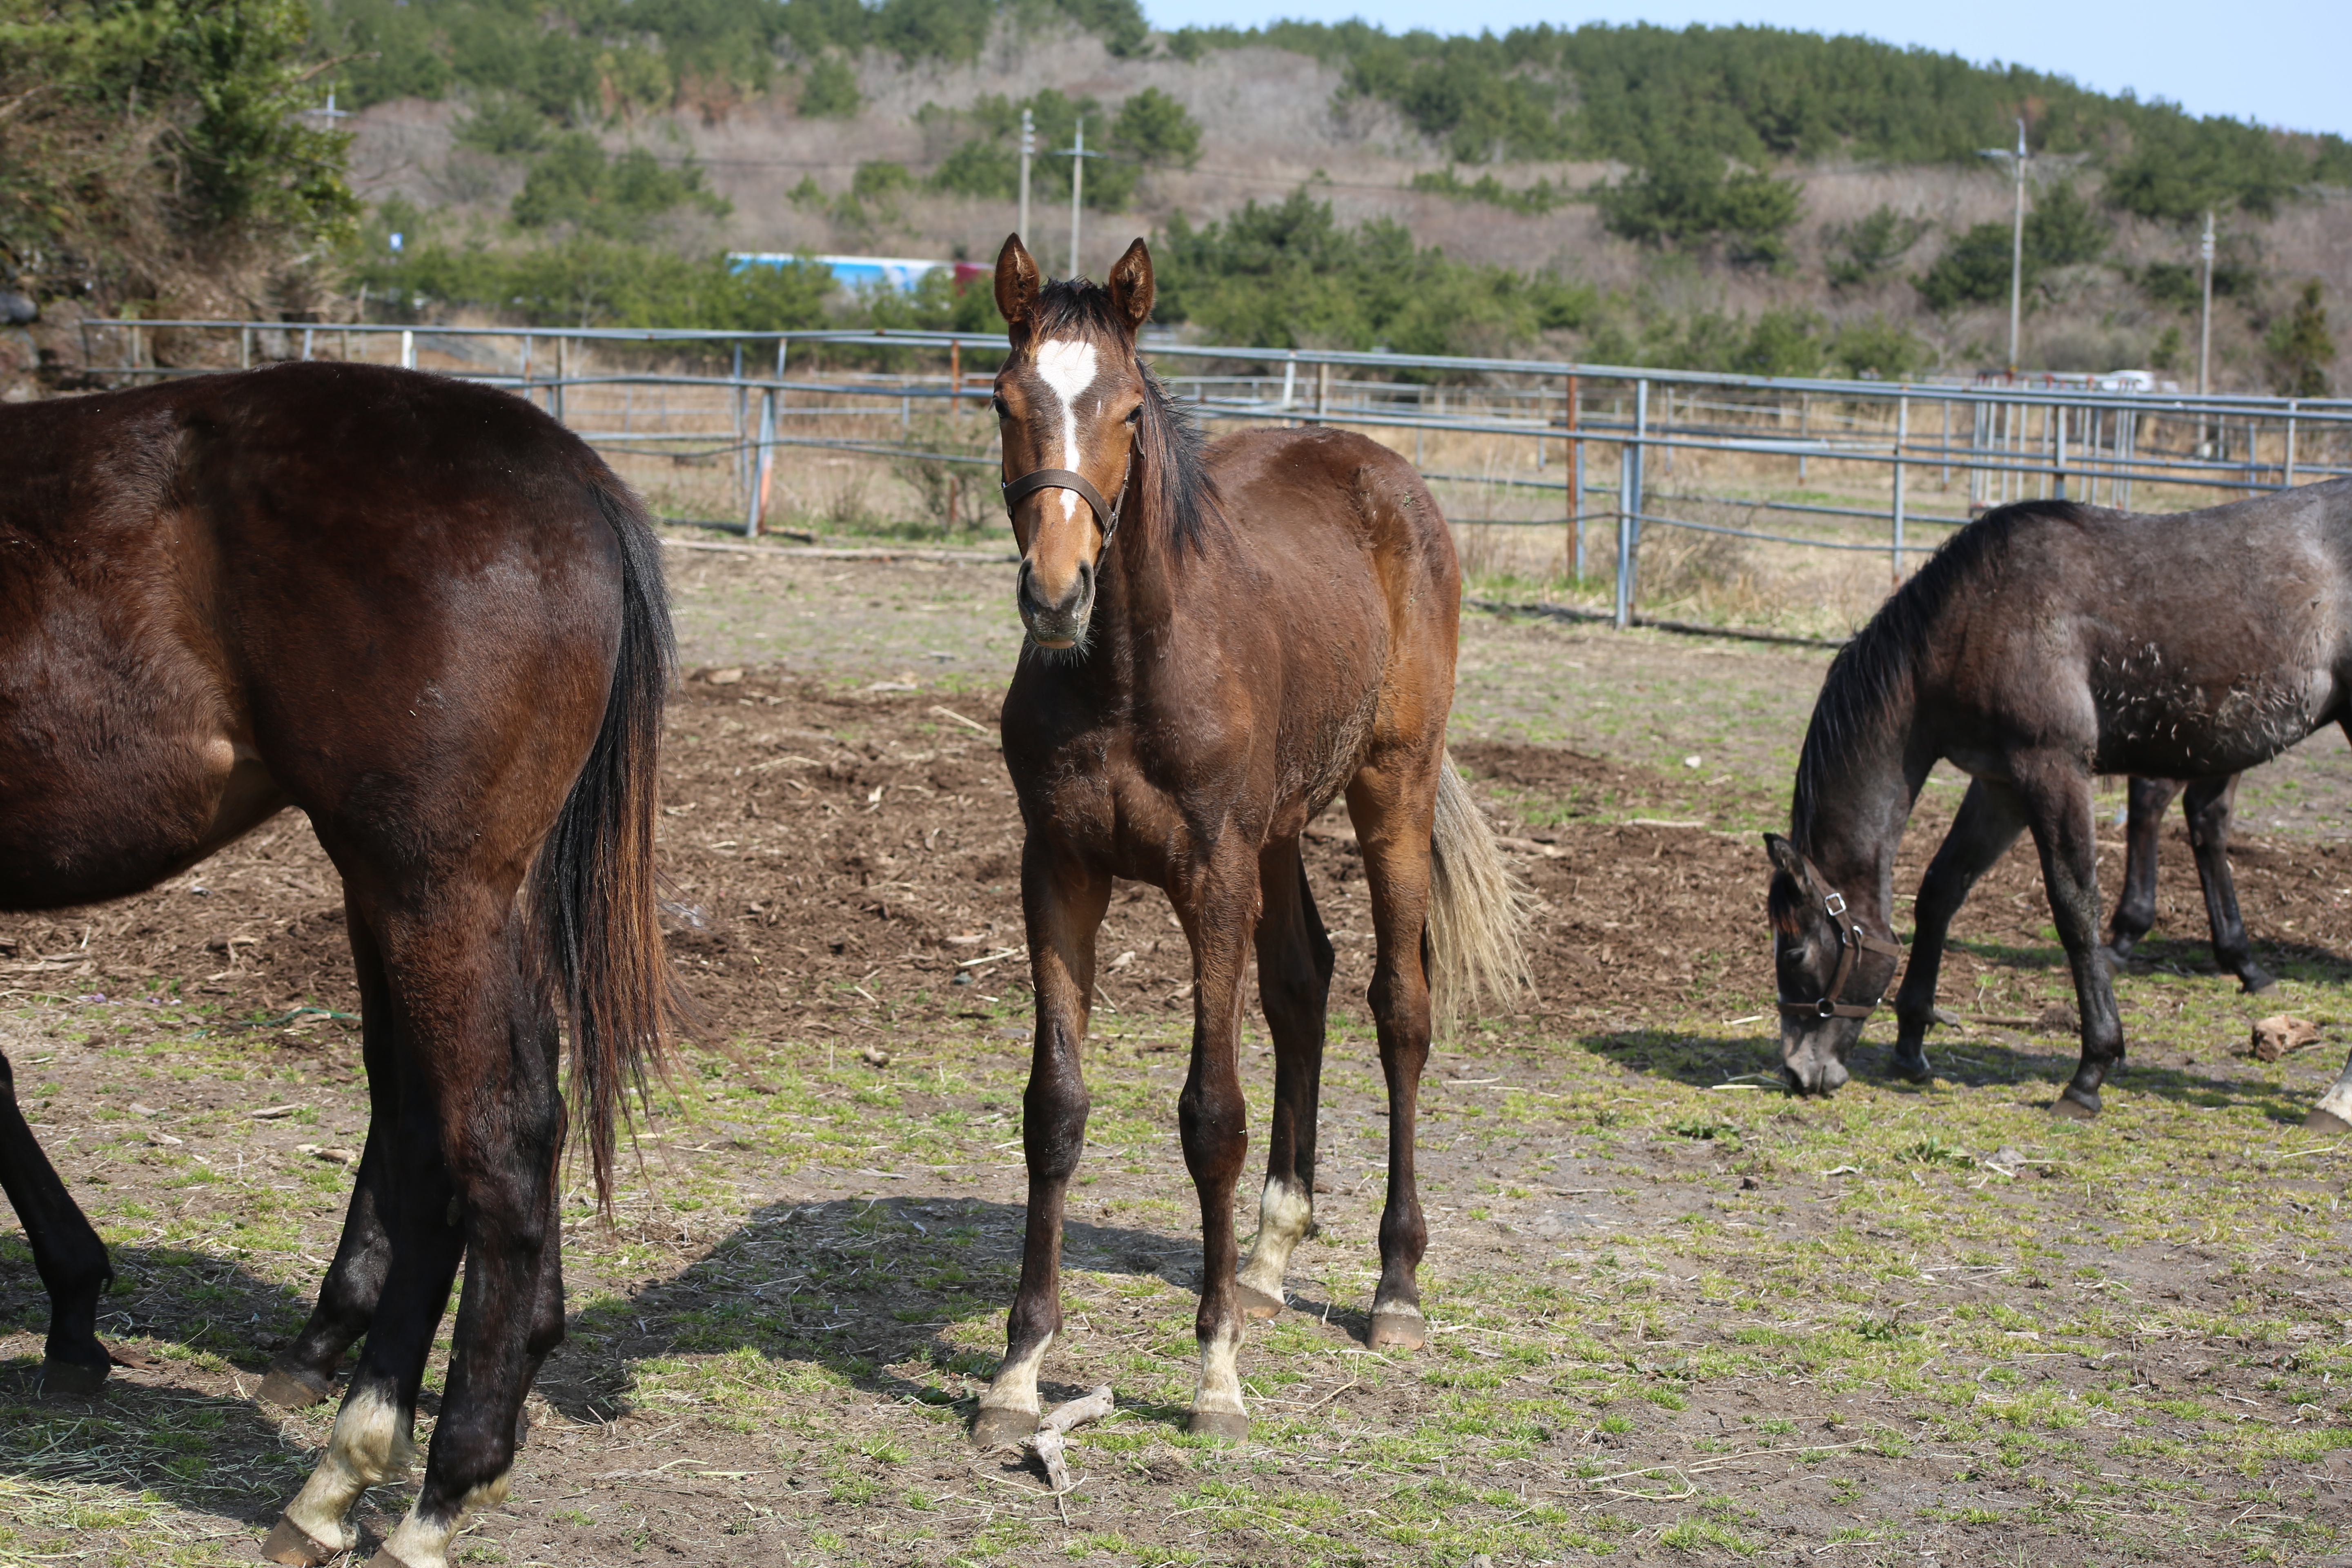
(1221,643)
(2042,645)
(431,619)
(2210,804)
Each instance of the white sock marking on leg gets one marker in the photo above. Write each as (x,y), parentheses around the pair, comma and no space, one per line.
(1285,1212)
(371,1444)
(1016,1387)
(1221,1378)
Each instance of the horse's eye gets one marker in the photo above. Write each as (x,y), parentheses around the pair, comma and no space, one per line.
(1002,412)
(1135,415)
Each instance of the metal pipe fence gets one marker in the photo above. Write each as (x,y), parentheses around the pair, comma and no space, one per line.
(1860,453)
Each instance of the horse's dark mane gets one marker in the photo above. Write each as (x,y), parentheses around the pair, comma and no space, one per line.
(1871,674)
(1173,497)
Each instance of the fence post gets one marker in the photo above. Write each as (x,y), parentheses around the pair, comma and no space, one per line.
(1575,482)
(1289,382)
(755,514)
(245,348)
(2057,417)
(2127,450)
(407,348)
(2286,476)
(1323,391)
(1629,505)
(1902,435)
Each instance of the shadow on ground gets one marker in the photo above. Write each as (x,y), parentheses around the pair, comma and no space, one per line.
(153,1428)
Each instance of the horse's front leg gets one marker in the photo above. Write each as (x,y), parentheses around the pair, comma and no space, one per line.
(1985,827)
(1062,900)
(2056,792)
(66,1252)
(1219,907)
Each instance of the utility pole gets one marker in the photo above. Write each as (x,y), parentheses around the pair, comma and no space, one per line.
(2017,253)
(2205,336)
(2016,242)
(2205,322)
(1028,145)
(1077,155)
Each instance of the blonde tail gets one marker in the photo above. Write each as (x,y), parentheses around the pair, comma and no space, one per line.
(1478,909)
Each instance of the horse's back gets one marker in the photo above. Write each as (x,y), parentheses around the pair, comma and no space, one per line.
(2176,644)
(324,585)
(1316,489)
(1359,566)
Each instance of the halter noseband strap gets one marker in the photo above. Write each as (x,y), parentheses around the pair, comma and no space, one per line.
(1106,512)
(1852,941)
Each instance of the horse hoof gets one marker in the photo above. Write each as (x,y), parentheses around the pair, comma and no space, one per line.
(385,1559)
(289,1543)
(1226,1426)
(2326,1121)
(290,1389)
(2068,1107)
(1913,1065)
(1003,1429)
(1397,1330)
(2257,984)
(72,1379)
(1257,1303)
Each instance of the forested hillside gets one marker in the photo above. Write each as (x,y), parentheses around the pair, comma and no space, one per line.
(1740,197)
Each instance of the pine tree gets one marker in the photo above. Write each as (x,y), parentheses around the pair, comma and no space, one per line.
(2301,347)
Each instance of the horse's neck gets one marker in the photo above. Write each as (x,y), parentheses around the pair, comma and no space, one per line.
(1136,602)
(1859,804)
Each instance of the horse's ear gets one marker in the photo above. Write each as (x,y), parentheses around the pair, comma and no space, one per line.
(1130,286)
(1784,858)
(1016,282)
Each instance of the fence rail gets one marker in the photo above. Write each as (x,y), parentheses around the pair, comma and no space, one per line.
(1874,443)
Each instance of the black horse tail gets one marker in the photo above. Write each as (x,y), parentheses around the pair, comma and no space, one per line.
(594,902)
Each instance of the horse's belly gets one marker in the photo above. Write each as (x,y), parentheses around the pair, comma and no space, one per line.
(2202,729)
(81,825)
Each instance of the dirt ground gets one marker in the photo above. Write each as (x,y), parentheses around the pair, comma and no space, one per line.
(1679,1315)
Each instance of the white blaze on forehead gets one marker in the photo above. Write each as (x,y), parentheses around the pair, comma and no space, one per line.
(1067,366)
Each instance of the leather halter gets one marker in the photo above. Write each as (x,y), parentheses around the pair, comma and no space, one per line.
(1106,512)
(1852,941)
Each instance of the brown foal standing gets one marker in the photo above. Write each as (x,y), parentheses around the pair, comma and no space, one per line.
(1221,643)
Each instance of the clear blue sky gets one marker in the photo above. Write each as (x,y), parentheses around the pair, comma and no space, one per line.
(2280,62)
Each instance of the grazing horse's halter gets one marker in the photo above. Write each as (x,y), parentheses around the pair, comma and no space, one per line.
(1106,512)
(1852,942)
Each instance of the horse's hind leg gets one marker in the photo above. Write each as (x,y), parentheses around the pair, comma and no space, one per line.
(304,1372)
(1393,807)
(1985,827)
(470,1166)
(2057,795)
(66,1252)
(372,1440)
(1062,904)
(2210,804)
(1293,986)
(2144,819)
(502,1127)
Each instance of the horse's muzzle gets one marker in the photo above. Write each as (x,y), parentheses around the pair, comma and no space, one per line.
(1810,1059)
(1056,622)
